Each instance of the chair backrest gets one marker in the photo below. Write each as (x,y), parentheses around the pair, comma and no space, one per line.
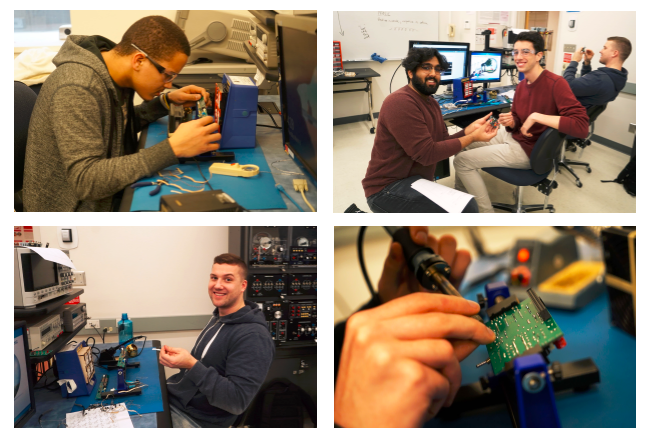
(546,150)
(595,110)
(24,100)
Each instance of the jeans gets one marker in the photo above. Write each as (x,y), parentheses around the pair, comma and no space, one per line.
(180,418)
(400,197)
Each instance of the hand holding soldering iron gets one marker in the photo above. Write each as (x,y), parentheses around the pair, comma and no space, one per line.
(398,367)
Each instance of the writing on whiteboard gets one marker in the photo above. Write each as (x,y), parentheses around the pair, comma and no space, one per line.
(404,22)
(364,32)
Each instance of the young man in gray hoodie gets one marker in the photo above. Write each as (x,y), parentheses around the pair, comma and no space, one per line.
(82,143)
(231,357)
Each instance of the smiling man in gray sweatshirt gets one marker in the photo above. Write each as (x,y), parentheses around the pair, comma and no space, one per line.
(231,357)
(82,143)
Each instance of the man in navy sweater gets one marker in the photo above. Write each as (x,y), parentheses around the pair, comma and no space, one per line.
(604,84)
(231,357)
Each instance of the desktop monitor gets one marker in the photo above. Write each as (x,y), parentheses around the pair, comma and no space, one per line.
(455,54)
(297,48)
(485,66)
(23,387)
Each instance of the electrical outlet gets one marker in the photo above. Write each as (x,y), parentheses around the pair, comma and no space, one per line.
(110,329)
(79,278)
(569,48)
(92,323)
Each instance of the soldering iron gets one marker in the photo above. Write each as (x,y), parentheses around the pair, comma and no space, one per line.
(430,269)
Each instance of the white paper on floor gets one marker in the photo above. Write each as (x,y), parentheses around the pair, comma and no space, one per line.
(453,201)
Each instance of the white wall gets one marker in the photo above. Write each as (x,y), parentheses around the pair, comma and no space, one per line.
(145,271)
(592,30)
(110,24)
(352,104)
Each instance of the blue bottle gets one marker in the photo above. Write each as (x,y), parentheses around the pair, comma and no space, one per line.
(125,328)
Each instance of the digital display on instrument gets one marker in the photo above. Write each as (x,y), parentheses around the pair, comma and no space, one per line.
(38,272)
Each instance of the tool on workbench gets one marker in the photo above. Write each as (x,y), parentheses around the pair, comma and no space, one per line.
(124,388)
(153,192)
(234,169)
(106,357)
(103,386)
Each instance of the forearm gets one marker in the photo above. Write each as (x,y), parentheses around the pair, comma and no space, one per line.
(95,178)
(466,140)
(551,121)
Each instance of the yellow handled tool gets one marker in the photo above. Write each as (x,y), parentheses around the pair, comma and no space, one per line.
(234,169)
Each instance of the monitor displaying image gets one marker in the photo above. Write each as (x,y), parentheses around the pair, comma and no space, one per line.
(485,66)
(454,53)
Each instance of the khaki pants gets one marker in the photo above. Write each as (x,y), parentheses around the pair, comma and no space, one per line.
(500,151)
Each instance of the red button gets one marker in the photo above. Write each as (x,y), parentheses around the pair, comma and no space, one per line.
(523,255)
(560,343)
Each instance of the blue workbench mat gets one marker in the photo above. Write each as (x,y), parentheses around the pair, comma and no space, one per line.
(253,193)
(149,400)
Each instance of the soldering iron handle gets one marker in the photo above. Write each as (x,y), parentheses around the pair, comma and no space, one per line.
(410,248)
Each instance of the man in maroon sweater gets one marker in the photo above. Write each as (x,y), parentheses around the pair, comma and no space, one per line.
(412,138)
(542,100)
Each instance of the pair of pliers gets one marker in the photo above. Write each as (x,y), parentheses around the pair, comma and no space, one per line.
(155,191)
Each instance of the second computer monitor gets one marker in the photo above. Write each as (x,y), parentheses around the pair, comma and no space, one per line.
(455,54)
(485,66)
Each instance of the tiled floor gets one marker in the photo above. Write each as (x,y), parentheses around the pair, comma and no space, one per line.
(353,144)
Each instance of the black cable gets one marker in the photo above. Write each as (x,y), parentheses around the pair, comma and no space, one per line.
(269,126)
(198,168)
(362,231)
(391,79)
(102,338)
(269,114)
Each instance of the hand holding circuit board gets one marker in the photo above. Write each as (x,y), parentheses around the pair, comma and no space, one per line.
(398,367)
(189,95)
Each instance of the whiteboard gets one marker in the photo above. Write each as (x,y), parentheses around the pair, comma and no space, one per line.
(385,33)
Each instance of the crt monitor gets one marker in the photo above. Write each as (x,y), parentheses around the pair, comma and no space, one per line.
(485,66)
(297,46)
(23,386)
(455,54)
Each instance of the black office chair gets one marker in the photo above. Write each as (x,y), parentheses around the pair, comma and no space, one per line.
(571,145)
(543,159)
(24,100)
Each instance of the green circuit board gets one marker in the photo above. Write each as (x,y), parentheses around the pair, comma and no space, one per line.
(517,330)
